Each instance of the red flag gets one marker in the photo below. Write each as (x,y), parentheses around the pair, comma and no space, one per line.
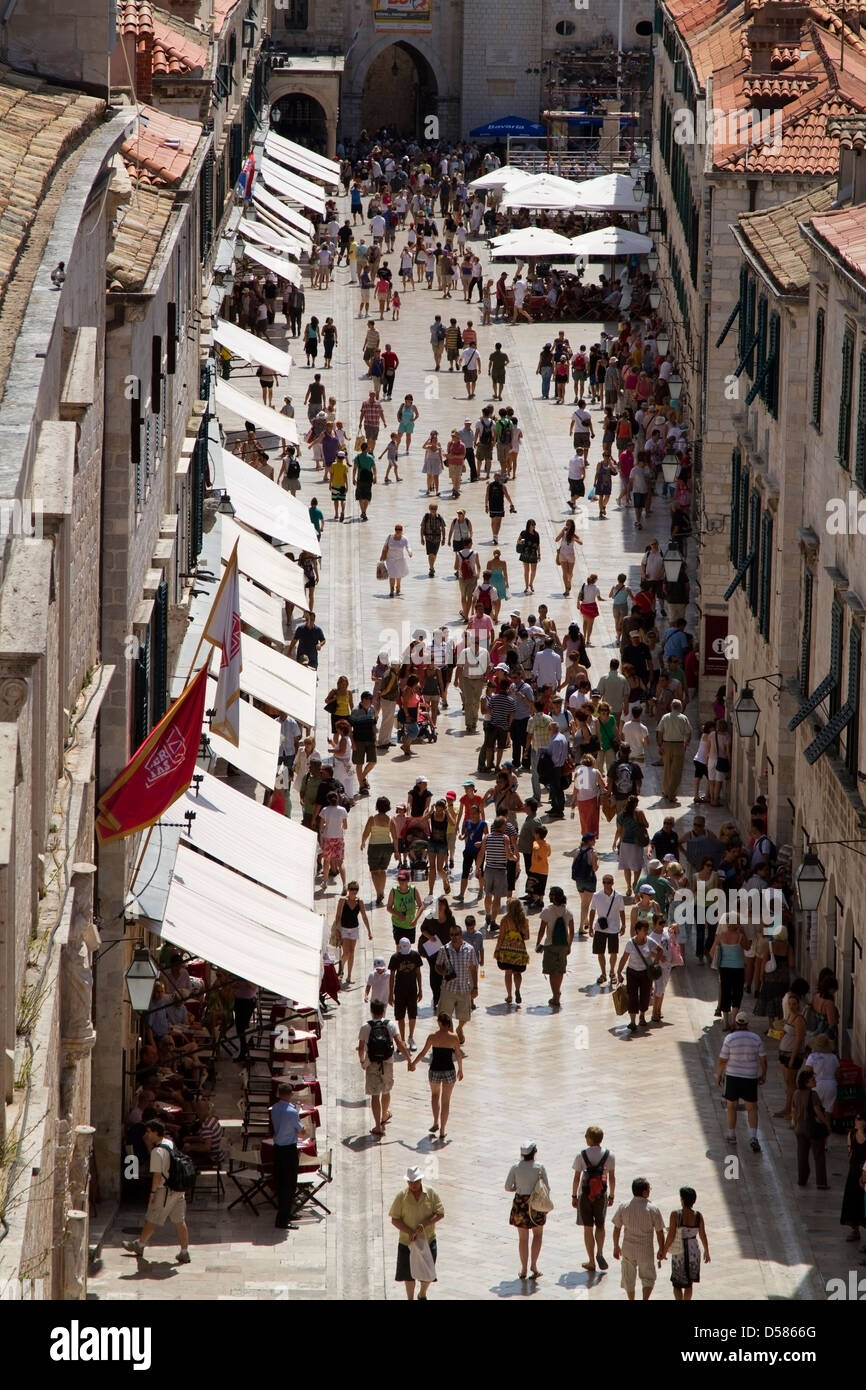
(158,772)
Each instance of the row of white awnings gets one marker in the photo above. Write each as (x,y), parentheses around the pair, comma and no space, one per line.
(236,888)
(245,408)
(284,243)
(263,506)
(295,156)
(260,351)
(291,186)
(280,212)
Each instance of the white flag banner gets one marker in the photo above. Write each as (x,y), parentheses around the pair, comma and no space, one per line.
(223,630)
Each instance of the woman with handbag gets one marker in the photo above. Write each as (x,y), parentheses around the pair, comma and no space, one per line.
(339,701)
(529,1182)
(446,1069)
(812,1129)
(685,1229)
(792,1046)
(565,542)
(529,553)
(345,930)
(589,786)
(719,761)
(510,952)
(633,828)
(640,968)
(728,954)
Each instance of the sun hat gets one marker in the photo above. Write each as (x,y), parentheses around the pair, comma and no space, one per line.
(414,1175)
(529,1146)
(404,945)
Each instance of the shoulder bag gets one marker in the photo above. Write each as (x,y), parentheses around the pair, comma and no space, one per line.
(540,1201)
(654,971)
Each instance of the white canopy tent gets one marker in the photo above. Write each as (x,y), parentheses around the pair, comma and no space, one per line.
(238,831)
(252,349)
(290,149)
(262,235)
(547,192)
(506,176)
(609,193)
(531,241)
(280,180)
(608,242)
(258,752)
(263,506)
(285,269)
(263,563)
(261,611)
(245,407)
(242,927)
(277,680)
(281,212)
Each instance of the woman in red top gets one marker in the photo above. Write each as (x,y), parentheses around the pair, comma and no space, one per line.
(410,704)
(455,461)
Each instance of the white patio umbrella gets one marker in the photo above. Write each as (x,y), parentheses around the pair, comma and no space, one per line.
(531,241)
(609,193)
(501,178)
(606,242)
(546,192)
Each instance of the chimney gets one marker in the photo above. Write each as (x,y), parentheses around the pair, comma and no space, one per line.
(850,131)
(144,67)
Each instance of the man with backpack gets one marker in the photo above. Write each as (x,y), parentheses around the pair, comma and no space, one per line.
(494,503)
(376,1042)
(172,1175)
(437,340)
(485,438)
(468,567)
(387,689)
(625,777)
(592,1192)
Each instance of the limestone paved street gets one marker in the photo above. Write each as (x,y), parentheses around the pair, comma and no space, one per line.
(529,1073)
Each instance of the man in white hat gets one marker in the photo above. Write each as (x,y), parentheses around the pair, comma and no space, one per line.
(415,1212)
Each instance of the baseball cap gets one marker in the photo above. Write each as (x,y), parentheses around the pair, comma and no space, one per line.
(322,415)
(450,796)
(404,945)
(403,873)
(378,961)
(670,858)
(528,1146)
(419,780)
(741,1018)
(654,864)
(469,782)
(341,453)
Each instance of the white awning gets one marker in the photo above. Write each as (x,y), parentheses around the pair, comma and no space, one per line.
(281,211)
(251,348)
(278,680)
(263,563)
(280,228)
(281,147)
(293,186)
(262,235)
(260,610)
(239,926)
(248,408)
(238,831)
(260,741)
(264,507)
(277,264)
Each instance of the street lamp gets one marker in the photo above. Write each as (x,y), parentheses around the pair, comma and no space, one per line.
(670,469)
(663,342)
(673,561)
(675,386)
(638,191)
(811,880)
(225,507)
(746,712)
(642,223)
(655,297)
(634,169)
(140,978)
(652,262)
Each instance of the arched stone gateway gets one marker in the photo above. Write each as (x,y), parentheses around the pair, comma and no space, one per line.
(401,92)
(302,118)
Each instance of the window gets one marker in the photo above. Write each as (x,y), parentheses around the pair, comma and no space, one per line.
(171,337)
(141,693)
(735,312)
(233,49)
(135,444)
(818,370)
(156,375)
(742,520)
(806,634)
(754,542)
(160,652)
(296,14)
(206,205)
(766,581)
(741,328)
(236,154)
(852,746)
(565,28)
(836,619)
(843,432)
(735,498)
(860,439)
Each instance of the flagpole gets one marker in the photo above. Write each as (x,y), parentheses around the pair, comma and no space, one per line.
(141,857)
(232,560)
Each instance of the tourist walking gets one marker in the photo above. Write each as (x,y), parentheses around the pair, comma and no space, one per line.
(633,831)
(165,1204)
(853,1212)
(641,967)
(380,839)
(728,954)
(457,963)
(524,1179)
(686,1234)
(395,556)
(405,907)
(510,952)
(588,598)
(405,991)
(347,913)
(415,1212)
(742,1065)
(446,1069)
(592,1192)
(606,925)
(555,938)
(433,462)
(565,541)
(529,553)
(377,1039)
(634,1224)
(811,1127)
(673,735)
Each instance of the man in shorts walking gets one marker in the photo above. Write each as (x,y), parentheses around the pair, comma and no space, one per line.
(742,1065)
(634,1223)
(405,992)
(457,963)
(164,1205)
(606,925)
(592,1192)
(376,1042)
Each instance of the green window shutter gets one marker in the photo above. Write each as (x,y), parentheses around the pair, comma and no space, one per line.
(741,329)
(761,331)
(141,694)
(749,349)
(860,438)
(770,383)
(818,370)
(843,433)
(754,543)
(836,620)
(766,581)
(236,153)
(806,634)
(735,499)
(160,652)
(195,530)
(852,745)
(743,519)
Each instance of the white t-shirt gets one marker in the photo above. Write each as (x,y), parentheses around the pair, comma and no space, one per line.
(160,1158)
(581,421)
(589,593)
(549,916)
(593,1153)
(636,736)
(638,957)
(611,906)
(332,818)
(577,467)
(377,226)
(519,288)
(379,985)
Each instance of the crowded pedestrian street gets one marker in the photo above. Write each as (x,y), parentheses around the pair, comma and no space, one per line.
(533,1073)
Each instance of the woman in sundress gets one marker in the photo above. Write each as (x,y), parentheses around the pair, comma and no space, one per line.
(685,1229)
(341,747)
(522,1179)
(446,1069)
(395,557)
(432,467)
(499,579)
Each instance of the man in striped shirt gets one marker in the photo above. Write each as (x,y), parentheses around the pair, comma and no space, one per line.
(742,1065)
(633,1227)
(498,711)
(497,849)
(372,417)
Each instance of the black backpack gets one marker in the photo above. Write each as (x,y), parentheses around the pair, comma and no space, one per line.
(581,868)
(380,1044)
(487,427)
(495,495)
(293,468)
(181,1169)
(594,1177)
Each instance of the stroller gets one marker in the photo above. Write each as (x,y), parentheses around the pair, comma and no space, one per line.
(426,731)
(417,848)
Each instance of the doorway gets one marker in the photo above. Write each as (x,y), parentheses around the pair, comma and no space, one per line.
(400,93)
(302,119)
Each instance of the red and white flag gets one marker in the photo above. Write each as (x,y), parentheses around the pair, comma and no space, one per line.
(223,630)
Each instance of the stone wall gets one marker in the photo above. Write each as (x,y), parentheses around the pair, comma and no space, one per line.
(69,43)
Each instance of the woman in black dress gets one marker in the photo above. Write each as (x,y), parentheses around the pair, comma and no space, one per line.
(446,1069)
(438,852)
(529,552)
(436,933)
(854,1197)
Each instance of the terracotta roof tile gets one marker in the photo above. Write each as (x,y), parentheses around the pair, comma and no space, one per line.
(691,18)
(774,238)
(843,231)
(138,231)
(175,55)
(40,125)
(221,11)
(134,17)
(159,151)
